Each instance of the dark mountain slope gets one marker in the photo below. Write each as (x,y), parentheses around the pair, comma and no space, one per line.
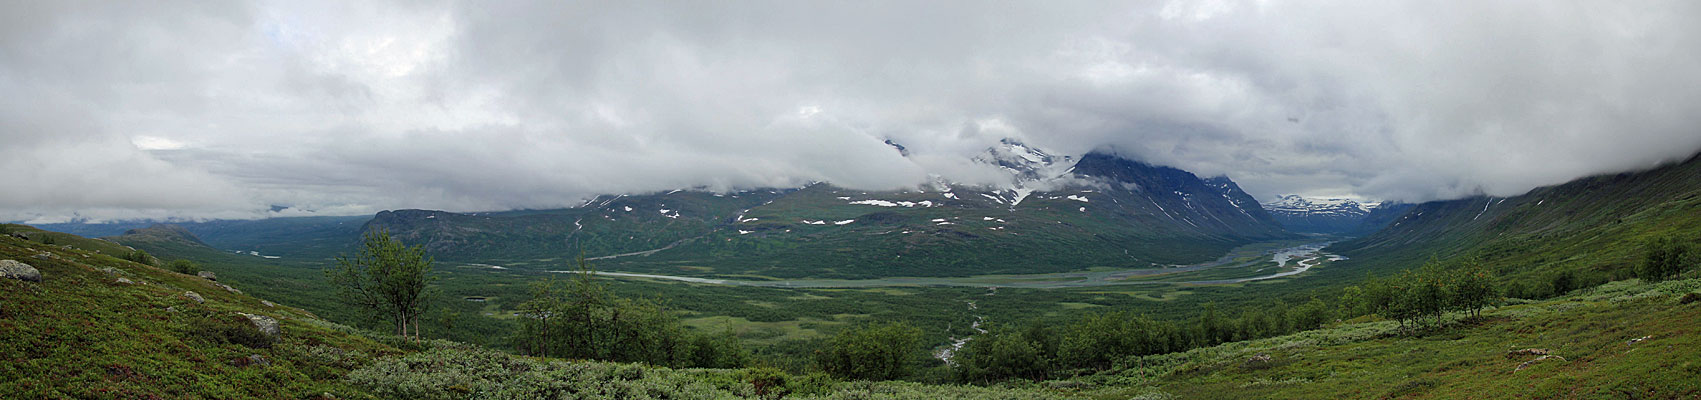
(1101,211)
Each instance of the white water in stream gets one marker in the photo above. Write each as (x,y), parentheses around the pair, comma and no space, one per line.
(947,353)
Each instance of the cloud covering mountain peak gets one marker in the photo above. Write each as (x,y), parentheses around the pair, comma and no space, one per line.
(124,110)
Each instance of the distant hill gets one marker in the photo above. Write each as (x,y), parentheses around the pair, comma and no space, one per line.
(295,237)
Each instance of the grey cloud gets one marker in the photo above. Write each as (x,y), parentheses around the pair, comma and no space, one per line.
(357,107)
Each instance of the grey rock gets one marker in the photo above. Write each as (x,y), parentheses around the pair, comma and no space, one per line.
(44,256)
(126,281)
(20,271)
(195,296)
(268,303)
(207,274)
(171,309)
(256,359)
(227,288)
(265,324)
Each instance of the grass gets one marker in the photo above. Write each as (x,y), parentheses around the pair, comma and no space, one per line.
(80,334)
(1592,330)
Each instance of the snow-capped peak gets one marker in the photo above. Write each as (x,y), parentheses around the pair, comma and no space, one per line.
(1297,203)
(1031,169)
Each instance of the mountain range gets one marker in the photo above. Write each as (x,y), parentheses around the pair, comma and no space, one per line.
(1338,216)
(1056,213)
(1053,213)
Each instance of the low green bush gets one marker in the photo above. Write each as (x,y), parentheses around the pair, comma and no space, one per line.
(219,328)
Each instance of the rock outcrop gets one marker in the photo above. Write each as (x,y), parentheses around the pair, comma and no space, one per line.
(20,271)
(265,324)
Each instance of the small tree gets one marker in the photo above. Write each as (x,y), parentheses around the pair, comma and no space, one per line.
(1472,288)
(1002,352)
(1665,258)
(385,277)
(183,267)
(580,318)
(871,352)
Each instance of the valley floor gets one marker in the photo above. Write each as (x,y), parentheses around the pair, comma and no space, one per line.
(1253,262)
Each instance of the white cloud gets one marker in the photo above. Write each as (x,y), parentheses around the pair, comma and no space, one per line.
(172,110)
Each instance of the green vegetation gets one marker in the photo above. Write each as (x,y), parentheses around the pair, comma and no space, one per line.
(182,266)
(581,319)
(387,278)
(872,352)
(1431,291)
(1667,257)
(81,333)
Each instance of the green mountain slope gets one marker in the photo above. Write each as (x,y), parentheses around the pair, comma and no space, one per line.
(1626,339)
(1593,227)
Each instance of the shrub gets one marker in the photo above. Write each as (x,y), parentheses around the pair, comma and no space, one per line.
(871,352)
(1664,258)
(1690,297)
(183,267)
(141,257)
(218,327)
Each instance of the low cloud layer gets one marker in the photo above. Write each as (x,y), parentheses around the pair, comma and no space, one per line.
(157,110)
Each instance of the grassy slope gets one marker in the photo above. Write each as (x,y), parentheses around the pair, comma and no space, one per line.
(1595,226)
(81,334)
(1590,329)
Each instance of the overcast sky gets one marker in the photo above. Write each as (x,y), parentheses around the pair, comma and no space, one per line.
(115,110)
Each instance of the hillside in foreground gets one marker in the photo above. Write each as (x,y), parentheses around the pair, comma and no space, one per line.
(95,326)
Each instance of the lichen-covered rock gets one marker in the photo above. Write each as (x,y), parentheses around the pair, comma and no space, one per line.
(20,271)
(208,275)
(126,281)
(227,288)
(268,303)
(195,296)
(265,324)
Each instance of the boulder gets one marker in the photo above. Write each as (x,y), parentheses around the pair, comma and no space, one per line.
(126,281)
(208,275)
(1528,363)
(195,296)
(227,288)
(20,271)
(1259,361)
(265,324)
(1526,352)
(268,303)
